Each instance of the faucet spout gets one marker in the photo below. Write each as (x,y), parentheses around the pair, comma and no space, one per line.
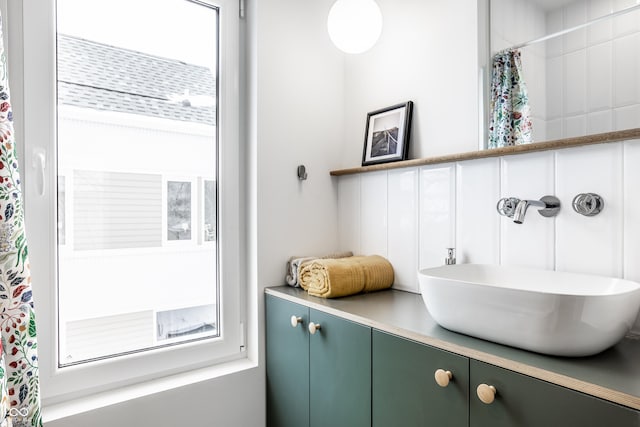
(521,209)
(548,206)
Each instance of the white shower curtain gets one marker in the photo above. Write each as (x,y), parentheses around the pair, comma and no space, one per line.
(510,113)
(19,383)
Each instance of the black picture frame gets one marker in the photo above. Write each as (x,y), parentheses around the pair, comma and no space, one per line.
(387,133)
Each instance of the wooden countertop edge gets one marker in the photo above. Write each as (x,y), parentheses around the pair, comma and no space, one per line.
(532,371)
(600,138)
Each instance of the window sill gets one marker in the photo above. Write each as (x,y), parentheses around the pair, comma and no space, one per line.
(100,400)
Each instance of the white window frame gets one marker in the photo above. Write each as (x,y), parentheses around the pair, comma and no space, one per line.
(32,27)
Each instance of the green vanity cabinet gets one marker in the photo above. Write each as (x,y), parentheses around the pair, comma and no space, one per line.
(528,402)
(346,374)
(287,362)
(340,373)
(405,392)
(316,379)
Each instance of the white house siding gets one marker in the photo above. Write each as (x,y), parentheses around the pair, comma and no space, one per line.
(112,256)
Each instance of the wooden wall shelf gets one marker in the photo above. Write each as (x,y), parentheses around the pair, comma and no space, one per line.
(600,138)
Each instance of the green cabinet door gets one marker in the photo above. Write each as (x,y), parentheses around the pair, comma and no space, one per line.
(287,364)
(528,402)
(405,392)
(339,372)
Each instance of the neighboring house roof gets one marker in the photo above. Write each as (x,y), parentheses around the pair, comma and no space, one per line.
(102,77)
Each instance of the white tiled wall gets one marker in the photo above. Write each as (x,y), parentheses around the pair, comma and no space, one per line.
(590,244)
(437,213)
(374,213)
(528,177)
(412,215)
(477,225)
(592,73)
(402,245)
(631,210)
(584,82)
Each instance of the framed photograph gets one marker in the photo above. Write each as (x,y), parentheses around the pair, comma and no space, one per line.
(386,137)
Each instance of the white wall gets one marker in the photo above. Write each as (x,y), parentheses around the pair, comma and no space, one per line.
(300,83)
(428,54)
(234,401)
(459,199)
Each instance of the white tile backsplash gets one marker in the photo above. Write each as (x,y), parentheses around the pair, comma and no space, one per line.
(373,214)
(403,227)
(477,221)
(528,177)
(632,210)
(437,214)
(590,244)
(349,213)
(412,215)
(632,215)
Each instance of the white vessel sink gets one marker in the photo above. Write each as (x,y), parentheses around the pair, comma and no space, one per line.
(549,312)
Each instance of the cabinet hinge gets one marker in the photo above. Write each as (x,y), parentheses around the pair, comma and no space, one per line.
(242,9)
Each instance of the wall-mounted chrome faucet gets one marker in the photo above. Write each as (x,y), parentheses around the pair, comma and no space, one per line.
(451,256)
(515,208)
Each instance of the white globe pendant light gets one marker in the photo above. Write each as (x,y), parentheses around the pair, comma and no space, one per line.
(354,25)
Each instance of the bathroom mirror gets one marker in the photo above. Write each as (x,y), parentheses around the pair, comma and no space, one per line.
(580,62)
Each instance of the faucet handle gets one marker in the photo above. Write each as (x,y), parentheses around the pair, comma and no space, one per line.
(507,206)
(588,204)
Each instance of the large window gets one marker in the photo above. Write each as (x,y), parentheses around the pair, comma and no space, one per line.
(140,256)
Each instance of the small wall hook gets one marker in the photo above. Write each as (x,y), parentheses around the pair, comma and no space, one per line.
(302,172)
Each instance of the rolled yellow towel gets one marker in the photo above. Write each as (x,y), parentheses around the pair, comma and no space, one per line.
(333,278)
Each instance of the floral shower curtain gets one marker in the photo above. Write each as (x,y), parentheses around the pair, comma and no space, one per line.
(510,115)
(19,385)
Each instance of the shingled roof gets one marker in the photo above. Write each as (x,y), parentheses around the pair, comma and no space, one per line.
(102,77)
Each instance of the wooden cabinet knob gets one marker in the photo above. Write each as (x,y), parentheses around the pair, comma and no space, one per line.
(486,393)
(313,328)
(295,320)
(443,377)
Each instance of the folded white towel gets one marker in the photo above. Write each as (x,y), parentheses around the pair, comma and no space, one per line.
(293,268)
(296,263)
